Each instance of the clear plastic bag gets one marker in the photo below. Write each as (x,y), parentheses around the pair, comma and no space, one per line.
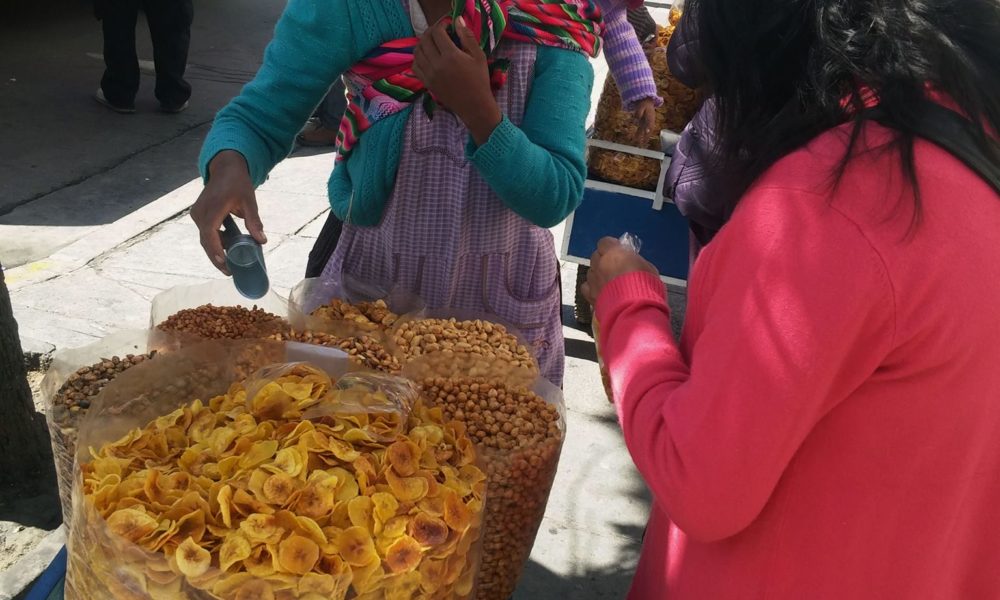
(73,379)
(218,293)
(521,464)
(630,242)
(146,528)
(453,359)
(315,293)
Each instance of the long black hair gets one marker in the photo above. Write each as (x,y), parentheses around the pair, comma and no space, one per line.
(784,71)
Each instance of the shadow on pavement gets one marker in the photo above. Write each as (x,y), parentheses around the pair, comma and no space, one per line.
(594,531)
(603,577)
(56,135)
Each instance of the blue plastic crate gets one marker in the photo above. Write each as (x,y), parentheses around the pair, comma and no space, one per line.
(49,585)
(604,213)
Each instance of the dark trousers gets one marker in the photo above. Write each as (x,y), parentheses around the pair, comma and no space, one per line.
(170,31)
(324,246)
(331,110)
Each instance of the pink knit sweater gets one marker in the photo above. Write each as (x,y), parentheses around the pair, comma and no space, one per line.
(828,426)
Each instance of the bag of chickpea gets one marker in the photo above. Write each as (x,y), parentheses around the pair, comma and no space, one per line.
(238,469)
(518,427)
(633,243)
(464,342)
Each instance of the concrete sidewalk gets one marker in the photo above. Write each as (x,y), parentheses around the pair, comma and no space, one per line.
(103,227)
(56,138)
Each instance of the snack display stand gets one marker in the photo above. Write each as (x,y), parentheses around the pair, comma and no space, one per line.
(610,210)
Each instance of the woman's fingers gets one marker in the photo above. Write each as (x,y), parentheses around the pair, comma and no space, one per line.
(585,292)
(209,220)
(251,218)
(420,62)
(428,44)
(606,245)
(470,45)
(442,41)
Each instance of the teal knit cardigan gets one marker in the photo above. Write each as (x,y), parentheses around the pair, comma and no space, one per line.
(537,169)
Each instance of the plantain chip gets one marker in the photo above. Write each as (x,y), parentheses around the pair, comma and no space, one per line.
(278,489)
(297,554)
(428,531)
(255,589)
(261,529)
(361,510)
(132,524)
(259,453)
(457,515)
(289,461)
(235,548)
(404,555)
(192,560)
(407,489)
(356,547)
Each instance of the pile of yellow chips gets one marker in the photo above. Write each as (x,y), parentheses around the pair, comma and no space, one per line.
(250,499)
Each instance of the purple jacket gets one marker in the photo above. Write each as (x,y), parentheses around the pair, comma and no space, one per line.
(688,181)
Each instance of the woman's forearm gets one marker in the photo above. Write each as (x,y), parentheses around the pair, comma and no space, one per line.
(538,169)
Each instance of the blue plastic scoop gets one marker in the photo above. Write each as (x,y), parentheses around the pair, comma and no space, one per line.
(245,260)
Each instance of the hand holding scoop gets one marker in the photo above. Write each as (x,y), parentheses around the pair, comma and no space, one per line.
(245,260)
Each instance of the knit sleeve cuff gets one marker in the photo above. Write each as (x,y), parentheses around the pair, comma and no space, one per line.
(628,289)
(631,98)
(496,151)
(216,144)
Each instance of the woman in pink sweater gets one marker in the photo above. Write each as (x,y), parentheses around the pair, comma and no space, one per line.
(828,425)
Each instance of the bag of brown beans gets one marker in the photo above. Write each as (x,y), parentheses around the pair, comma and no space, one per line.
(519,430)
(215,310)
(615,124)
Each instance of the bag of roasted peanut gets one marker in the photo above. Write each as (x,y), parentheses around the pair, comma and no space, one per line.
(348,306)
(633,243)
(462,341)
(258,469)
(518,429)
(215,310)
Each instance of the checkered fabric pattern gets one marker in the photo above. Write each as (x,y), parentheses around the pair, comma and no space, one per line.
(447,237)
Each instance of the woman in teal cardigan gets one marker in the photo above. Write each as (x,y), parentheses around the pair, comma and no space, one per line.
(449,198)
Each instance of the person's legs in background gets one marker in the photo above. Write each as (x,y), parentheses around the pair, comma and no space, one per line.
(121,74)
(324,246)
(322,129)
(170,30)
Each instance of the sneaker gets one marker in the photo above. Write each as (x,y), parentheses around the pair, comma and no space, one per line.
(173,110)
(125,110)
(315,135)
